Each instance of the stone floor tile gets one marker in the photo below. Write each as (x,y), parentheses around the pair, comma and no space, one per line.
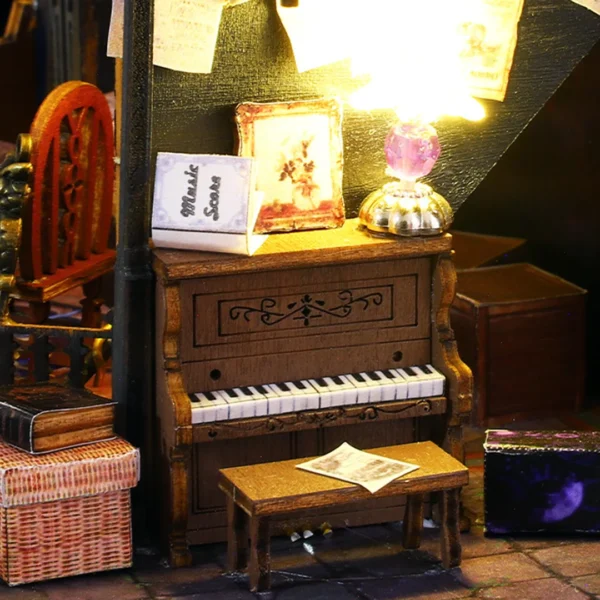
(474,544)
(571,560)
(27,592)
(206,578)
(233,595)
(439,586)
(539,542)
(101,586)
(542,589)
(317,591)
(493,570)
(587,583)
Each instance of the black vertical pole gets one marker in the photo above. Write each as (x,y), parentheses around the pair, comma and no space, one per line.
(134,293)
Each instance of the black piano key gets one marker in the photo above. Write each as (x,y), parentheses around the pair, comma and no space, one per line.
(283,386)
(246,391)
(262,389)
(321,382)
(210,395)
(231,393)
(359,377)
(300,385)
(374,376)
(427,369)
(337,380)
(410,372)
(388,373)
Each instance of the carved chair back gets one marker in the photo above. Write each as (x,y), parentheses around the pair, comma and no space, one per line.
(68,218)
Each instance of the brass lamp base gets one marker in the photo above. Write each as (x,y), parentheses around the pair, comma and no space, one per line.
(396,210)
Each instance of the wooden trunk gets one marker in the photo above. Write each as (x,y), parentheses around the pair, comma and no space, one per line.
(309,304)
(521,330)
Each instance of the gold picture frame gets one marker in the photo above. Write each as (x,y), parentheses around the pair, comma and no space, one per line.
(299,150)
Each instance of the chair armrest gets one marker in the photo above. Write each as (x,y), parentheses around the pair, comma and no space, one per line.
(15,189)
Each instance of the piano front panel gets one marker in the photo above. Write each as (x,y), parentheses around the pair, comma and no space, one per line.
(305,310)
(293,365)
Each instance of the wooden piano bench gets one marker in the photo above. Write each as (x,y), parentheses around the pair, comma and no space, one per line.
(259,494)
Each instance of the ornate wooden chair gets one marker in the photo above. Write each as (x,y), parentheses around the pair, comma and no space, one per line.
(67,220)
(36,342)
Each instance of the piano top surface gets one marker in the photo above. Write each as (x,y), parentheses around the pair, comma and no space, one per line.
(296,250)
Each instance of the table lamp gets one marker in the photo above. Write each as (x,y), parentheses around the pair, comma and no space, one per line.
(420,75)
(408,207)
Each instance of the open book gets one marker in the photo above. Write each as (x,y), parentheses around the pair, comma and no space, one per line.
(355,466)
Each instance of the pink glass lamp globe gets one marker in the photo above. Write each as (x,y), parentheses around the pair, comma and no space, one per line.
(411,150)
(407,207)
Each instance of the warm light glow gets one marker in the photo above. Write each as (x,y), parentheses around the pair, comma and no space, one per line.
(411,51)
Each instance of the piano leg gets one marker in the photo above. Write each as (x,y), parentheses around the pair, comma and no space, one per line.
(179,550)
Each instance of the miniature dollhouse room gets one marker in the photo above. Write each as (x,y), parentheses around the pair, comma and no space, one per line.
(297,297)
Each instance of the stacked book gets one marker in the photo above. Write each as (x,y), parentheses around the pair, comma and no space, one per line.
(47,417)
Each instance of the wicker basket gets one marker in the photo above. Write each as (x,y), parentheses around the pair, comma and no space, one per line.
(66,513)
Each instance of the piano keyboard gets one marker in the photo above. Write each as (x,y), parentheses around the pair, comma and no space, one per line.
(313,394)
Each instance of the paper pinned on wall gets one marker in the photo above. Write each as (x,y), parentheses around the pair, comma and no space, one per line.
(115,30)
(593,5)
(185,32)
(489,43)
(315,41)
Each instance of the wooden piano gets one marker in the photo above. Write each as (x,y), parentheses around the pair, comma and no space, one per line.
(313,341)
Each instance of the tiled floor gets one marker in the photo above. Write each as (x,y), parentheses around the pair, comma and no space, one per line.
(364,563)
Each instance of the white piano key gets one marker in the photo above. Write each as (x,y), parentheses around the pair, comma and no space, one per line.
(285,395)
(341,390)
(361,385)
(209,407)
(325,395)
(239,408)
(387,385)
(413,382)
(426,389)
(305,395)
(439,381)
(251,394)
(273,400)
(374,387)
(400,383)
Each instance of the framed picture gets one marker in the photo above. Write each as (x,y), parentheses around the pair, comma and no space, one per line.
(299,151)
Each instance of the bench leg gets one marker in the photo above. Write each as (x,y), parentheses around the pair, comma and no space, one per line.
(413,521)
(450,527)
(237,537)
(260,554)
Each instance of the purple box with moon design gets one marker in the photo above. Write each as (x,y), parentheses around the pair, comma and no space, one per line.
(542,481)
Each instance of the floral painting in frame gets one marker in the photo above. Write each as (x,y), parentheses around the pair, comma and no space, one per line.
(299,151)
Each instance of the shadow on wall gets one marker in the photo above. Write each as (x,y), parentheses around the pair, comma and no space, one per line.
(546,189)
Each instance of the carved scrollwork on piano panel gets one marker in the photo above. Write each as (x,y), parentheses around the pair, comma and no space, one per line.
(306,308)
(345,415)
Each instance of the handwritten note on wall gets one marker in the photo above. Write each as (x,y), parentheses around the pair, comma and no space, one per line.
(316,36)
(591,4)
(185,32)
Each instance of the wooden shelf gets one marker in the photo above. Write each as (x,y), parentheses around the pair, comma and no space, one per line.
(328,417)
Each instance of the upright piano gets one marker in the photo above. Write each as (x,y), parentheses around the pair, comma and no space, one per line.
(321,337)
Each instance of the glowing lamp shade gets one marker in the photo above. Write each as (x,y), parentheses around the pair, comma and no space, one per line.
(411,150)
